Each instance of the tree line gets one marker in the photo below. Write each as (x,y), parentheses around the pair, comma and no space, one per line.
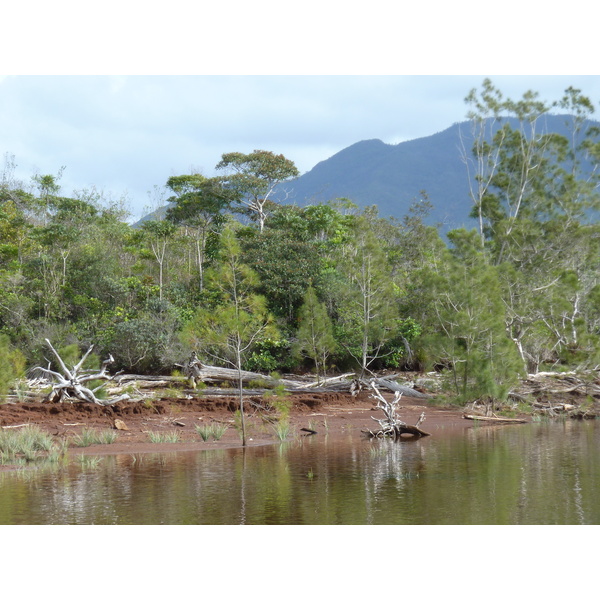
(246,280)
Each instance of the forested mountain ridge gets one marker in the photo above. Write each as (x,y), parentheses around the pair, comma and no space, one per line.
(392,176)
(246,281)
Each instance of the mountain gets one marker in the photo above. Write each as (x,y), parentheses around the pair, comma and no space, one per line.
(393,175)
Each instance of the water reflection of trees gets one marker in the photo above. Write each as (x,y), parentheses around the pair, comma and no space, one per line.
(539,473)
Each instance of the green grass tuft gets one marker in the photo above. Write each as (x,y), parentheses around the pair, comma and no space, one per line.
(91,437)
(164,438)
(216,430)
(27,445)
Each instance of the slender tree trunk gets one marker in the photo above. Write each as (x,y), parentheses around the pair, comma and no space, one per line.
(241,394)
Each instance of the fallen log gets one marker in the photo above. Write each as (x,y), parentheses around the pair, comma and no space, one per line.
(197,371)
(396,387)
(494,419)
(328,381)
(552,407)
(163,379)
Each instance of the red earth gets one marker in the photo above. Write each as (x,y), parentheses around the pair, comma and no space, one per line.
(331,413)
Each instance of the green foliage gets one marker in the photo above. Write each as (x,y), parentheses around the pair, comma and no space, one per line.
(284,266)
(147,343)
(242,319)
(12,365)
(398,351)
(326,283)
(266,355)
(469,334)
(315,338)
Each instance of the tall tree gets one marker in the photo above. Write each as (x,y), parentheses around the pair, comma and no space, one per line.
(159,234)
(468,333)
(198,205)
(253,178)
(228,331)
(366,305)
(536,193)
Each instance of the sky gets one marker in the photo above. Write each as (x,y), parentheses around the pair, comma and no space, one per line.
(126,135)
(124,98)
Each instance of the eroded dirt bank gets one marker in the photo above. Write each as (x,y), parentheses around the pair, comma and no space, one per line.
(333,414)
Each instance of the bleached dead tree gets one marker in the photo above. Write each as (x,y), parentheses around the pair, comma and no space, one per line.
(70,384)
(391,425)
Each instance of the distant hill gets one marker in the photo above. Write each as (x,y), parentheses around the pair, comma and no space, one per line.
(393,175)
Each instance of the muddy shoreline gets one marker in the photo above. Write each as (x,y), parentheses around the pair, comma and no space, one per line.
(332,414)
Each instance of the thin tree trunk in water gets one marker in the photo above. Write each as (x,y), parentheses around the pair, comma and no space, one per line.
(241,390)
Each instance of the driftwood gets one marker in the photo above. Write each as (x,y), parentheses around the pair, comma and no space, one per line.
(391,425)
(360,384)
(403,389)
(494,419)
(196,371)
(327,382)
(70,384)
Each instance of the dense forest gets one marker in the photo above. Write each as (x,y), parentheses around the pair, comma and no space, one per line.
(248,282)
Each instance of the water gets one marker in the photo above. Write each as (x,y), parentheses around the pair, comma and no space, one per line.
(542,473)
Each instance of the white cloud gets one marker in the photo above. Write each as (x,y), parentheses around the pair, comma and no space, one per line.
(131,133)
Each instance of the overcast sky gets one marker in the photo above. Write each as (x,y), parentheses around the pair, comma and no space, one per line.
(67,99)
(126,135)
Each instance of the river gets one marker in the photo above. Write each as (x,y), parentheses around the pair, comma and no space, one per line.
(540,473)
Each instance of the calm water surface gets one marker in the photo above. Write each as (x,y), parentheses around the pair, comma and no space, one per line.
(543,473)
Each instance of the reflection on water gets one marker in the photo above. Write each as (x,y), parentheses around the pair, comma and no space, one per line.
(524,474)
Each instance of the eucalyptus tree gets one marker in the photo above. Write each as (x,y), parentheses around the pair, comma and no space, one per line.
(537,194)
(254,177)
(366,306)
(198,205)
(158,235)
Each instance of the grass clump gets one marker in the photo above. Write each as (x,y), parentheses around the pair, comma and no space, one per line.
(27,445)
(204,431)
(219,430)
(91,437)
(214,430)
(157,437)
(282,430)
